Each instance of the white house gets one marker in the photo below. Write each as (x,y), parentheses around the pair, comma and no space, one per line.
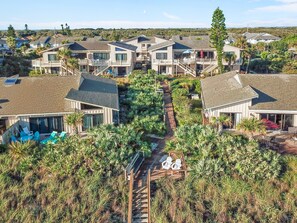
(179,55)
(264,96)
(41,103)
(254,38)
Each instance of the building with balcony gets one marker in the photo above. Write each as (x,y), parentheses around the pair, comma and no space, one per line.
(178,55)
(94,57)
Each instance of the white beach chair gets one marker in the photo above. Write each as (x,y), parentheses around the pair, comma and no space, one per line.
(167,163)
(176,165)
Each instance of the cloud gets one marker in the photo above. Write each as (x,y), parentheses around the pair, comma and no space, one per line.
(285,6)
(170,16)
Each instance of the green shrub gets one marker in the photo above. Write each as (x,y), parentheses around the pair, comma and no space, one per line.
(212,154)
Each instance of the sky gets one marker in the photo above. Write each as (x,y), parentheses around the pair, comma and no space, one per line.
(145,13)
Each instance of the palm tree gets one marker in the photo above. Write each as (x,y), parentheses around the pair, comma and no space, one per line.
(220,121)
(74,120)
(64,55)
(230,58)
(251,126)
(73,64)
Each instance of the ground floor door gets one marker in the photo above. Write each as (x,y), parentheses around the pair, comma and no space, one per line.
(162,70)
(46,124)
(284,121)
(2,126)
(235,119)
(91,121)
(122,71)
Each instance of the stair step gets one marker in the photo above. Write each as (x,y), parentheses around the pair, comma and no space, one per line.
(140,221)
(144,215)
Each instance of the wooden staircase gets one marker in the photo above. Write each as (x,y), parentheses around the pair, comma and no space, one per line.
(140,204)
(139,199)
(100,70)
(210,68)
(67,70)
(187,69)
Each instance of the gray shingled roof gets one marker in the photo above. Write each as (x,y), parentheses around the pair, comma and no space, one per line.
(41,40)
(223,90)
(36,95)
(267,91)
(39,95)
(142,39)
(276,91)
(124,45)
(161,45)
(89,45)
(260,36)
(96,91)
(192,42)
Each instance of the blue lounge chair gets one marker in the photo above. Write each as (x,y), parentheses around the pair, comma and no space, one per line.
(36,136)
(13,139)
(61,137)
(49,139)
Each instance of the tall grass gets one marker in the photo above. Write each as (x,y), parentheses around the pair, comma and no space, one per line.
(227,199)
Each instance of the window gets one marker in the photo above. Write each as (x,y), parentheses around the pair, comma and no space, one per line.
(88,107)
(161,56)
(101,56)
(115,117)
(119,49)
(121,57)
(46,124)
(91,121)
(52,57)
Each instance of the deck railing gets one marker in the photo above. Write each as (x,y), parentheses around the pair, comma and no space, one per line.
(12,130)
(130,204)
(148,179)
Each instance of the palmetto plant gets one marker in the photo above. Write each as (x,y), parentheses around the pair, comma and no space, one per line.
(220,121)
(73,64)
(74,120)
(64,55)
(229,58)
(251,126)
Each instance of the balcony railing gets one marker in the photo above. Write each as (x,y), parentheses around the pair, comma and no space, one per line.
(121,63)
(99,62)
(41,63)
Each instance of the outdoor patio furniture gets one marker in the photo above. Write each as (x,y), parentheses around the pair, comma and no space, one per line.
(26,131)
(49,139)
(13,139)
(176,165)
(25,138)
(61,137)
(36,136)
(167,163)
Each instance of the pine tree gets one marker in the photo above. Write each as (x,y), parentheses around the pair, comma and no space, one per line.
(11,32)
(218,35)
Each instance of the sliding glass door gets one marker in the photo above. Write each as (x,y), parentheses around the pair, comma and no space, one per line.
(46,124)
(91,121)
(284,121)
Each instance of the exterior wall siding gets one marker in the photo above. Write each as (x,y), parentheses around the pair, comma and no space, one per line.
(242,108)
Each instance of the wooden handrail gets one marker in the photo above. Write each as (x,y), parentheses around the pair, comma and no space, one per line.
(130,204)
(149,196)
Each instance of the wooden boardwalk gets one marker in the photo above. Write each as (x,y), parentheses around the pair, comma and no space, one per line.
(141,184)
